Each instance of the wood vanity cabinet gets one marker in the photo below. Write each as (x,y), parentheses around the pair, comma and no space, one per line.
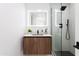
(33,45)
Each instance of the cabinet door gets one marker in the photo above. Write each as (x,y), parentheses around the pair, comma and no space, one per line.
(30,46)
(44,47)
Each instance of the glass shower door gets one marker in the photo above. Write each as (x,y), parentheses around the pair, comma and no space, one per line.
(58,35)
(57,29)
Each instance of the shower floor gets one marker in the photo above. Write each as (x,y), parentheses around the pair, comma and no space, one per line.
(63,53)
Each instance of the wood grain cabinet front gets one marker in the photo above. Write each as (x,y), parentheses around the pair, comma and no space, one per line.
(37,45)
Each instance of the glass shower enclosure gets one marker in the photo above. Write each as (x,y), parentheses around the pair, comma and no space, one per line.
(56,28)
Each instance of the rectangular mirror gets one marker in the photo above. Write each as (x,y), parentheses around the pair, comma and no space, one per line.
(38,18)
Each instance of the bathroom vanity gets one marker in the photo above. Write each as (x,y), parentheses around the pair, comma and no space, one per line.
(37,45)
(38,40)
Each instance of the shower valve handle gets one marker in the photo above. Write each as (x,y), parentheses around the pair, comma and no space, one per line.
(60,25)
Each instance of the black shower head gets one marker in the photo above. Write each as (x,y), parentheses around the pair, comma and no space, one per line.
(63,8)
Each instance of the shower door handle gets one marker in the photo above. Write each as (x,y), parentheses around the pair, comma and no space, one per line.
(60,25)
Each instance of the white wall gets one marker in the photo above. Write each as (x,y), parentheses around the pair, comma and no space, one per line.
(38,6)
(12,23)
(72,28)
(76,10)
(75,17)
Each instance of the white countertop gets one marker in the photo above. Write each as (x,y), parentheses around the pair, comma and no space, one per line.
(39,35)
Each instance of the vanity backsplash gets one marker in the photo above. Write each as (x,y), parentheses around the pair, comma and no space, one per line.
(36,30)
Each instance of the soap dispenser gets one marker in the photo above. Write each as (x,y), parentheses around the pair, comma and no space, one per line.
(42,32)
(46,31)
(37,32)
